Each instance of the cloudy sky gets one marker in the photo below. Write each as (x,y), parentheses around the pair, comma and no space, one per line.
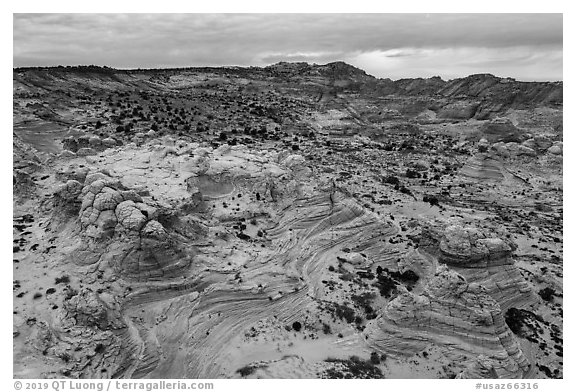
(523,46)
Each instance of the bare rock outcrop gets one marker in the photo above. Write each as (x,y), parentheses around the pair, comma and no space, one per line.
(117,219)
(85,151)
(109,142)
(459,110)
(88,309)
(501,130)
(556,149)
(272,218)
(538,143)
(24,156)
(466,246)
(108,206)
(482,167)
(453,314)
(67,196)
(25,163)
(481,257)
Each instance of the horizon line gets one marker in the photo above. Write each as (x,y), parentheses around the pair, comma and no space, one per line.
(272,64)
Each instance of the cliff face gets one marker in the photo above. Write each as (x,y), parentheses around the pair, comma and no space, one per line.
(496,95)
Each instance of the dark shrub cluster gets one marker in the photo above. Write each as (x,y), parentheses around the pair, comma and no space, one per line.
(353,368)
(547,294)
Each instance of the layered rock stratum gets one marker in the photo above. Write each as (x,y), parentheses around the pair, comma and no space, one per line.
(292,221)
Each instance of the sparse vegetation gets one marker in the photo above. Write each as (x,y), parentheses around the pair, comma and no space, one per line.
(247,370)
(64,279)
(281,186)
(353,367)
(375,358)
(547,294)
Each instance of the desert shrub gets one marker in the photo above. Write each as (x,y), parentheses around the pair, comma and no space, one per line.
(524,323)
(365,275)
(412,173)
(246,370)
(343,312)
(353,367)
(391,180)
(364,300)
(407,276)
(433,200)
(63,279)
(385,285)
(547,294)
(65,357)
(514,319)
(405,190)
(243,236)
(249,369)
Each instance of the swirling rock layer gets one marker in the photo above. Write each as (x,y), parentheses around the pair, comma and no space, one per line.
(455,315)
(288,221)
(482,167)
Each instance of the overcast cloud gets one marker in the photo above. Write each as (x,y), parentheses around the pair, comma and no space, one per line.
(523,46)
